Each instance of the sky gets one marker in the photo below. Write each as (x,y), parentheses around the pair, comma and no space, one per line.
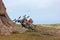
(41,11)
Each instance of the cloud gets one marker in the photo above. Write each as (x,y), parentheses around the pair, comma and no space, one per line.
(27,3)
(48,10)
(41,6)
(31,4)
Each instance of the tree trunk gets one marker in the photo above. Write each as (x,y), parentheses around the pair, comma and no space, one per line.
(6,25)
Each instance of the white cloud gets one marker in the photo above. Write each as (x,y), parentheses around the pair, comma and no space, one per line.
(44,4)
(32,4)
(47,9)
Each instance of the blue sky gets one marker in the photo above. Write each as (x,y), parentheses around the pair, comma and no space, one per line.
(42,11)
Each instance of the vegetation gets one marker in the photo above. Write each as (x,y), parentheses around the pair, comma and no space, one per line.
(32,35)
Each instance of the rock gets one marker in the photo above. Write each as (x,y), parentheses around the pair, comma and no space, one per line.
(6,25)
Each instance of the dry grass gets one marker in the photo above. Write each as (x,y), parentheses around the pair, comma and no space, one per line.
(32,35)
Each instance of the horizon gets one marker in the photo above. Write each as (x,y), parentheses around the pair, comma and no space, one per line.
(41,11)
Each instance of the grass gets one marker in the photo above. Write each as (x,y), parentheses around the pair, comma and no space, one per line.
(32,35)
(29,36)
